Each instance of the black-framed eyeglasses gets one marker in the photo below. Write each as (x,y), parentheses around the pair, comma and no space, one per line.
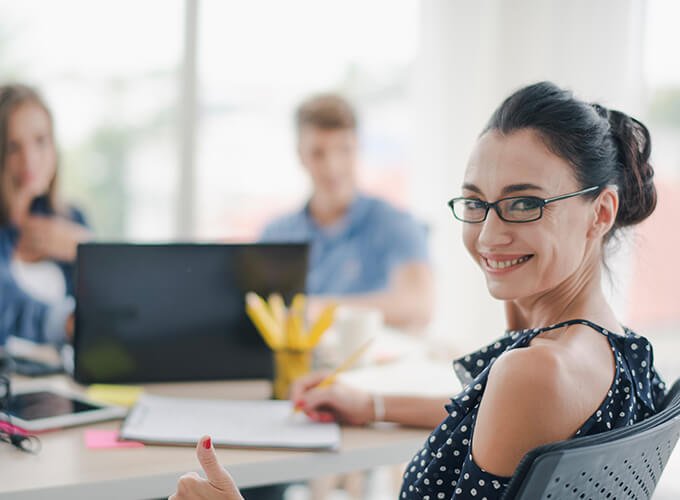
(515,209)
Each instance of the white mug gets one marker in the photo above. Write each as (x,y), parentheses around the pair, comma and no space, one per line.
(354,326)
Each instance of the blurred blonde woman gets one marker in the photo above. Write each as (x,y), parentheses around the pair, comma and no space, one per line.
(38,232)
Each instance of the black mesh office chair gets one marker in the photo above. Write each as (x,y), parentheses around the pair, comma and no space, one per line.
(621,464)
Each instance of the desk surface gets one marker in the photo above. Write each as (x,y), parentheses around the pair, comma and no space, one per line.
(65,468)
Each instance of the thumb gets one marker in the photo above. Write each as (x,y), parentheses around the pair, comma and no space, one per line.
(216,474)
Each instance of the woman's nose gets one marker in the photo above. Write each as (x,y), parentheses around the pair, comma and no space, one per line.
(26,158)
(495,231)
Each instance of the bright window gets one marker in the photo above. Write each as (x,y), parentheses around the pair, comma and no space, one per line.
(257,60)
(109,72)
(654,305)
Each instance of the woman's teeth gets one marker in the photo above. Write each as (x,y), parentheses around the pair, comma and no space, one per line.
(502,264)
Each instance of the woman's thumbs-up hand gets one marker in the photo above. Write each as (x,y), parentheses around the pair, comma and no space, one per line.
(218,484)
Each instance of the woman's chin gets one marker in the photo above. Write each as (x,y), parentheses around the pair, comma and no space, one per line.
(35,189)
(502,291)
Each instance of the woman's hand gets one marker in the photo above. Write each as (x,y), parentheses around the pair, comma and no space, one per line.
(70,327)
(218,484)
(336,402)
(50,238)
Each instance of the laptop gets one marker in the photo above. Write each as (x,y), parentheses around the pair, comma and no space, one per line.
(176,312)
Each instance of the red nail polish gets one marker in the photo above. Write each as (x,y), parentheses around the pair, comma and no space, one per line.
(207,443)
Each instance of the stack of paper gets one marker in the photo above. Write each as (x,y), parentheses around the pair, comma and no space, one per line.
(259,424)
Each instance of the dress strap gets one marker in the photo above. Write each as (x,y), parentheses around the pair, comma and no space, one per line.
(570,322)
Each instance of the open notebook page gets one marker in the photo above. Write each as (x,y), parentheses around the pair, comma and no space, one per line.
(258,424)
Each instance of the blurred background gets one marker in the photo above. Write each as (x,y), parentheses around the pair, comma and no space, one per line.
(174,118)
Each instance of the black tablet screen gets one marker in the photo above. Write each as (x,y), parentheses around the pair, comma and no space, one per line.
(43,404)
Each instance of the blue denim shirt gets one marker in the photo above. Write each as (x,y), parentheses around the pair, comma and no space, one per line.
(358,253)
(21,314)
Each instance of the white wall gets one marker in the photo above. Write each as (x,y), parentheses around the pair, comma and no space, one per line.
(473,54)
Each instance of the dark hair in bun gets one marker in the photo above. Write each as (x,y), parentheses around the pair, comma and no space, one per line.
(604,147)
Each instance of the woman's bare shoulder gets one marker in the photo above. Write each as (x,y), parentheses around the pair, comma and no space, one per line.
(531,399)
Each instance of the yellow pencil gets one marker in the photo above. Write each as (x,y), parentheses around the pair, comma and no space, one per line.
(297,311)
(257,310)
(345,365)
(278,308)
(292,335)
(323,322)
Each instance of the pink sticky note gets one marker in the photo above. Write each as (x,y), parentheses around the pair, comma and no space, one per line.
(97,439)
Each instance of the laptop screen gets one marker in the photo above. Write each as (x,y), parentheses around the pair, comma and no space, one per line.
(154,313)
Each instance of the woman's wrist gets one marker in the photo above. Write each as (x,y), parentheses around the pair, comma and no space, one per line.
(378,407)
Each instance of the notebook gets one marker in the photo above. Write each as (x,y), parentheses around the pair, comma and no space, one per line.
(230,423)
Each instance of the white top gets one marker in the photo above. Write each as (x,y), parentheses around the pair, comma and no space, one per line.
(42,280)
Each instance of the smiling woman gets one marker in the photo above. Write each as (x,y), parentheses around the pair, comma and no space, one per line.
(565,176)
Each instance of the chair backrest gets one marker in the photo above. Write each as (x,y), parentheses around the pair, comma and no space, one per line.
(624,463)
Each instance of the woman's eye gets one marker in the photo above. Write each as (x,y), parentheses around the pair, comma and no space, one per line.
(473,204)
(524,204)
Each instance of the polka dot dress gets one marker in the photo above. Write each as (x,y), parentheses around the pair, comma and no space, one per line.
(444,468)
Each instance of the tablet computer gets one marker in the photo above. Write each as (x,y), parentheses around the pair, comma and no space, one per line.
(41,409)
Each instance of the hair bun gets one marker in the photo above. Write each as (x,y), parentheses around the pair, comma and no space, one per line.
(637,190)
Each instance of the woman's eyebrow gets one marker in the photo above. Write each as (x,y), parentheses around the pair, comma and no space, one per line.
(514,188)
(471,187)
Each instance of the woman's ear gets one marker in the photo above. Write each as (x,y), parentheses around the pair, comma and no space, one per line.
(605,208)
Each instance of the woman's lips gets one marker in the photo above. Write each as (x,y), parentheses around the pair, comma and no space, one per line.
(501,264)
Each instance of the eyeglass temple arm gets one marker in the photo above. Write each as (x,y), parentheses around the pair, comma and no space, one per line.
(570,195)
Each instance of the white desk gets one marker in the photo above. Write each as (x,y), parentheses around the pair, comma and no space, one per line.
(65,468)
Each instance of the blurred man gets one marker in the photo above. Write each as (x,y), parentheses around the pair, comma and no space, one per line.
(364,252)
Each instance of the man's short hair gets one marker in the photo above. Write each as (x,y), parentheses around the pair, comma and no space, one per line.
(327,112)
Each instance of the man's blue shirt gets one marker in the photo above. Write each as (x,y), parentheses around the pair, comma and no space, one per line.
(358,253)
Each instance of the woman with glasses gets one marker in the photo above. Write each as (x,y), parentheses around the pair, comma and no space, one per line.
(38,231)
(551,181)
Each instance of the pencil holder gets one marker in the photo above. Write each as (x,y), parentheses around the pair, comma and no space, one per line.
(289,364)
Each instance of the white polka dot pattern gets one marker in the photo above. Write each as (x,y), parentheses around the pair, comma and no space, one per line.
(444,467)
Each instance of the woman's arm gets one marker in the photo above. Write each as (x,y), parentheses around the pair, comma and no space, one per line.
(50,237)
(406,303)
(415,411)
(356,407)
(23,316)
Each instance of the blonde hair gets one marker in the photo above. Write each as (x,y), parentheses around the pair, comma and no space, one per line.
(327,112)
(12,96)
